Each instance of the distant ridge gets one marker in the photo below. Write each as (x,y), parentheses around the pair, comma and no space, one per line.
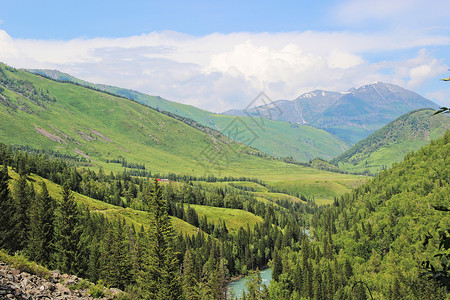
(276,138)
(351,115)
(391,143)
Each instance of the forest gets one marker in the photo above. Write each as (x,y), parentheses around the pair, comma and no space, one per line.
(369,244)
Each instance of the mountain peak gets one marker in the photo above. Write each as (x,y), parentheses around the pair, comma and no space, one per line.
(350,115)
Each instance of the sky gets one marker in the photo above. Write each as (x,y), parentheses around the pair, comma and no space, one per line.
(219,55)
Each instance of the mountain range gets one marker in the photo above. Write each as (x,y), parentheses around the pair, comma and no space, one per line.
(316,124)
(351,115)
(111,132)
(277,138)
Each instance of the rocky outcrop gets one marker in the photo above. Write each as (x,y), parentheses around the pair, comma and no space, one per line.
(15,284)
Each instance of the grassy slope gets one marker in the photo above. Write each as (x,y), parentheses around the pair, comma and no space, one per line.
(277,138)
(398,203)
(234,218)
(392,142)
(139,134)
(135,217)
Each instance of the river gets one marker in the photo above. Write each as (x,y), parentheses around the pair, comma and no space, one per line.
(238,286)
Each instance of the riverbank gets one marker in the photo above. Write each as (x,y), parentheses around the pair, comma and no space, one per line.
(236,288)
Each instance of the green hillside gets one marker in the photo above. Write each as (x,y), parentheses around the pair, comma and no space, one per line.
(372,242)
(391,143)
(105,129)
(277,138)
(131,216)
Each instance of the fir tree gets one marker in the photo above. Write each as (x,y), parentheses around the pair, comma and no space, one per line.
(116,262)
(190,283)
(21,220)
(159,278)
(254,285)
(7,210)
(276,265)
(42,226)
(67,233)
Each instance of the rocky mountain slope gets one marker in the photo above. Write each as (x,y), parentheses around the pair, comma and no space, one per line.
(15,284)
(351,115)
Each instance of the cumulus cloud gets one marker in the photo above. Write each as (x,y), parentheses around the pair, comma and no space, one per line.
(223,71)
(8,48)
(441,96)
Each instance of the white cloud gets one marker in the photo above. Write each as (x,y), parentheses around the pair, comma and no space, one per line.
(343,60)
(441,96)
(222,71)
(8,48)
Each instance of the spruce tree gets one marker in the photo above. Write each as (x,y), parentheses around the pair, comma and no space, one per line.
(21,220)
(67,233)
(116,262)
(159,278)
(190,283)
(254,285)
(277,266)
(7,210)
(41,226)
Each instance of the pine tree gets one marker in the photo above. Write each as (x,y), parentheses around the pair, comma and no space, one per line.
(42,226)
(116,262)
(190,283)
(159,278)
(21,220)
(7,210)
(254,285)
(277,266)
(67,233)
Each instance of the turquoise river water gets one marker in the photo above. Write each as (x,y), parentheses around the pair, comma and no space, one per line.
(236,287)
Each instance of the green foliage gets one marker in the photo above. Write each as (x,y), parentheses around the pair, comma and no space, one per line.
(190,283)
(81,285)
(392,142)
(97,291)
(23,193)
(254,286)
(443,109)
(115,261)
(67,233)
(7,208)
(157,141)
(280,139)
(21,263)
(370,242)
(440,274)
(159,278)
(41,230)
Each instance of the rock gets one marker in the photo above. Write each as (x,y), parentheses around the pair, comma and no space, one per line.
(70,282)
(25,282)
(24,286)
(15,272)
(115,292)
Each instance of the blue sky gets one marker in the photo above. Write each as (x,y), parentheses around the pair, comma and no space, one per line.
(60,20)
(218,55)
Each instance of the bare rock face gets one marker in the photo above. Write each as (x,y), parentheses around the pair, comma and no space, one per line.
(23,286)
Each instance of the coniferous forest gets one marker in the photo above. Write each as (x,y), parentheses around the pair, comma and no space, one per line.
(377,242)
(224,150)
(179,236)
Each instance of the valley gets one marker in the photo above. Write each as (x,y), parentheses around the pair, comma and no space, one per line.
(134,193)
